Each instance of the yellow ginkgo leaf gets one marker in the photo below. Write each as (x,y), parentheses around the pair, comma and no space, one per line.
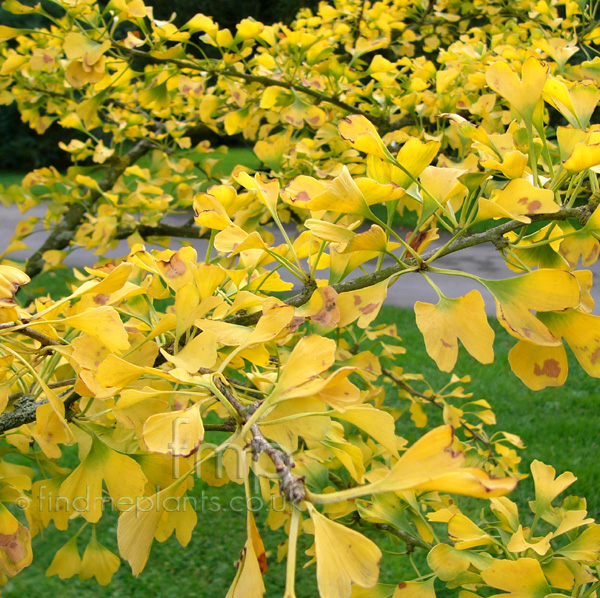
(362,305)
(576,103)
(518,543)
(209,212)
(518,200)
(137,526)
(341,195)
(448,562)
(360,132)
(444,184)
(539,367)
(226,333)
(200,352)
(309,358)
(272,150)
(541,290)
(175,433)
(10,281)
(115,372)
(512,166)
(267,191)
(582,243)
(275,319)
(451,320)
(344,557)
(466,534)
(122,475)
(301,190)
(581,331)
(104,324)
(98,562)
(522,578)
(582,157)
(287,431)
(349,455)
(522,93)
(248,580)
(376,192)
(373,239)
(321,308)
(585,547)
(66,562)
(539,249)
(547,485)
(378,424)
(114,281)
(187,300)
(15,550)
(327,231)
(415,589)
(432,464)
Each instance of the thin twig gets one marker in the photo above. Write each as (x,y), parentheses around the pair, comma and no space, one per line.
(470,430)
(290,486)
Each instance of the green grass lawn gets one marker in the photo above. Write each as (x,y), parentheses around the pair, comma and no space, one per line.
(559,426)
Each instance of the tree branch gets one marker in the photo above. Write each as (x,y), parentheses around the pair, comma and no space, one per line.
(266,81)
(161,230)
(25,407)
(470,430)
(64,231)
(494,235)
(43,339)
(290,486)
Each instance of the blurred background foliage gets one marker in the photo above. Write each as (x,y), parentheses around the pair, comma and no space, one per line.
(23,149)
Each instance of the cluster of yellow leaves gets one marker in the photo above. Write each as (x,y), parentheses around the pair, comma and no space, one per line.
(160,351)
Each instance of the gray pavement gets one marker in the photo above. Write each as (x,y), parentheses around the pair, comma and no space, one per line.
(482,260)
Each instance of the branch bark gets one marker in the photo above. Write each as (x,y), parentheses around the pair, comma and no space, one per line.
(494,235)
(291,487)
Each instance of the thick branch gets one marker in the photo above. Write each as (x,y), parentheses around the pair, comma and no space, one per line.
(25,407)
(161,230)
(24,413)
(494,235)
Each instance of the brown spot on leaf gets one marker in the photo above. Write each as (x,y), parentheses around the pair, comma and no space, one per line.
(302,196)
(262,562)
(357,300)
(15,549)
(296,322)
(174,267)
(591,256)
(101,298)
(369,308)
(534,206)
(401,585)
(551,368)
(417,240)
(595,356)
(447,345)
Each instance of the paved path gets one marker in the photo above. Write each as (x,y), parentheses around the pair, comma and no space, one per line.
(482,260)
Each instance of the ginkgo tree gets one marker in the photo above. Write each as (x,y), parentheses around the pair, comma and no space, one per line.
(260,363)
